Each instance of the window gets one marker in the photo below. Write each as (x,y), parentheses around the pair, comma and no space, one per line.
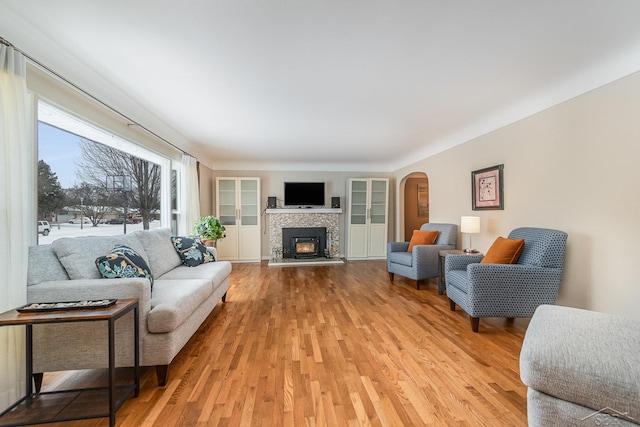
(78,164)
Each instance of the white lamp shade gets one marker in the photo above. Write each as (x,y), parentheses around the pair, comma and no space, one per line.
(470,224)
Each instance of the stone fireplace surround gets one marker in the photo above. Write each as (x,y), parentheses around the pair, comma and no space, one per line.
(294,218)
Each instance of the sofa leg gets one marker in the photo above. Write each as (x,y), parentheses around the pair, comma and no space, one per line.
(418,284)
(475,323)
(391,276)
(452,305)
(162,374)
(37,381)
(224,297)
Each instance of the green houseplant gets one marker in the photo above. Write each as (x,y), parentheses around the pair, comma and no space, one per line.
(209,229)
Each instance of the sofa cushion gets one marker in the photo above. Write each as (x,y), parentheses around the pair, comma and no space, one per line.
(173,301)
(215,272)
(78,254)
(192,251)
(162,256)
(504,251)
(422,237)
(123,262)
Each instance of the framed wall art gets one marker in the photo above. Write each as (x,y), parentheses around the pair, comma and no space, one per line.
(487,188)
(423,200)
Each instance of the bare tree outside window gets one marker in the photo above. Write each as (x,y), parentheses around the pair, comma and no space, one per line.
(93,202)
(97,161)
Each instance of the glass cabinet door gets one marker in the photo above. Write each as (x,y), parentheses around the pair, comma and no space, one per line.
(358,202)
(378,202)
(249,209)
(227,201)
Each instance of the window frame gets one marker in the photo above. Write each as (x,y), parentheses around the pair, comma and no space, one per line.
(55,116)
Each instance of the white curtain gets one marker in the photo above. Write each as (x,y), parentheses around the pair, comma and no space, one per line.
(16,189)
(190,195)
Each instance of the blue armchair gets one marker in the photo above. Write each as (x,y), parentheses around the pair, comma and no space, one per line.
(508,290)
(422,262)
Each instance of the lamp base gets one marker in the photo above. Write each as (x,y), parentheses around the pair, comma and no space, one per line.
(470,251)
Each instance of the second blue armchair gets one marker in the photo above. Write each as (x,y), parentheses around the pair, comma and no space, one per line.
(422,262)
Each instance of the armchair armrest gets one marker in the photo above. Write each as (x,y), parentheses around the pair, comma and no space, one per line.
(510,290)
(428,251)
(510,277)
(397,247)
(460,261)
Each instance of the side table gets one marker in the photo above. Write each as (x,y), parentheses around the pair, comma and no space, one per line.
(23,411)
(441,258)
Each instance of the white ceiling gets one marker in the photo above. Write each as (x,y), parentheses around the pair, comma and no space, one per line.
(331,84)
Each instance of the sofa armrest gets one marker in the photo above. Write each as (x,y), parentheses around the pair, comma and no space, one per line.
(84,289)
(584,357)
(213,251)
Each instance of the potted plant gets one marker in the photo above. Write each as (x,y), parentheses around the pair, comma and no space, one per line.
(209,229)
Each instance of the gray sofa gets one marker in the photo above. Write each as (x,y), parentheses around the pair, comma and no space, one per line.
(181,299)
(581,368)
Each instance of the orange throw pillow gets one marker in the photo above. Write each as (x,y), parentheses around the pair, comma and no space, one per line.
(422,238)
(504,251)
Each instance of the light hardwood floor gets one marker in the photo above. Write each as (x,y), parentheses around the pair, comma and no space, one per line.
(333,345)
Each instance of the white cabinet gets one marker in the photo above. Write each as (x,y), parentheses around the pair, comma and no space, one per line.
(238,208)
(367,217)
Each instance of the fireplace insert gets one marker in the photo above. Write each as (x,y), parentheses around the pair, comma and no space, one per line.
(305,247)
(304,242)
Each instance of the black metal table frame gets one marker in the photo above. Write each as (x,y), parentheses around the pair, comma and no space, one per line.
(113,405)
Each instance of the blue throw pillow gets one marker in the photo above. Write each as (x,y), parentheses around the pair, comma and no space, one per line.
(191,250)
(123,262)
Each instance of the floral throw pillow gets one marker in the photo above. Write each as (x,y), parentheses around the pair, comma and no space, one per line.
(191,250)
(123,262)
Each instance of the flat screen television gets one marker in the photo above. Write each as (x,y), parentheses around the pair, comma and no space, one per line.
(304,194)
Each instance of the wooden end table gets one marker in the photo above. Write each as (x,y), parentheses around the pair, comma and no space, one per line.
(441,257)
(21,412)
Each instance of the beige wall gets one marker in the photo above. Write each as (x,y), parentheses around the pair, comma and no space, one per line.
(207,189)
(573,167)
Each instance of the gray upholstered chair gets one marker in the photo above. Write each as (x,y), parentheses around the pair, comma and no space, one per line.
(422,262)
(508,290)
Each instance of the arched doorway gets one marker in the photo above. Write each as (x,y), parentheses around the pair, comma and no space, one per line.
(415,205)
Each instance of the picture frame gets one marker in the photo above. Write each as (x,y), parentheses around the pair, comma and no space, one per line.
(423,200)
(487,188)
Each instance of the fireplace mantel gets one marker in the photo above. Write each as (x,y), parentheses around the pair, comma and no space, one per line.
(305,211)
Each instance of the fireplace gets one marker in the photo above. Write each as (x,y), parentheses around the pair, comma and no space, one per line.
(305,247)
(304,242)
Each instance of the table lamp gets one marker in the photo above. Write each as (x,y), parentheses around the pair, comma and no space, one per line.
(470,225)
